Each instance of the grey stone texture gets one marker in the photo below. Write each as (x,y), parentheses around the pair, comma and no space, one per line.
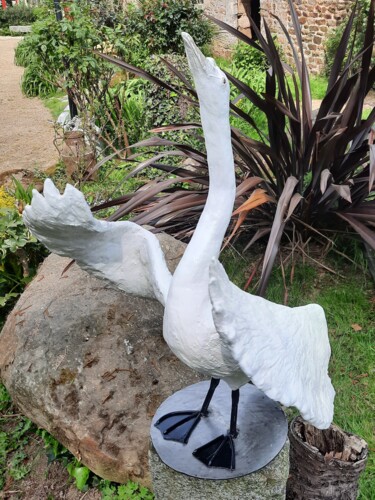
(89,364)
(20,29)
(265,484)
(317,17)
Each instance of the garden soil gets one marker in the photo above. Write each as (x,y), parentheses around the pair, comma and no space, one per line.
(26,125)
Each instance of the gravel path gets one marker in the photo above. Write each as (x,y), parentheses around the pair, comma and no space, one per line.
(26,127)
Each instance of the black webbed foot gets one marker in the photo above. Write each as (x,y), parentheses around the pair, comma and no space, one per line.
(219,452)
(178,426)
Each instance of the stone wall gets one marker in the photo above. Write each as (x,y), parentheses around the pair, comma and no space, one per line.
(227,11)
(317,17)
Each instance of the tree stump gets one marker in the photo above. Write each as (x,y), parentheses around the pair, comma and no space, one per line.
(324,464)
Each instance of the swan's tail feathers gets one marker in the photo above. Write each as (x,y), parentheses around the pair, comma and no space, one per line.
(121,252)
(284,351)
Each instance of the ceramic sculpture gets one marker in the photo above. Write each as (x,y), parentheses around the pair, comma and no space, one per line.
(209,323)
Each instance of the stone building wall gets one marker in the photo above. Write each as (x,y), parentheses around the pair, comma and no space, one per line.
(317,18)
(227,11)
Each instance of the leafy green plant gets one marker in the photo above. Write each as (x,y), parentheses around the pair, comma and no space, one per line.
(159,23)
(23,53)
(317,176)
(61,55)
(20,252)
(80,473)
(84,478)
(36,83)
(128,491)
(248,58)
(54,449)
(164,106)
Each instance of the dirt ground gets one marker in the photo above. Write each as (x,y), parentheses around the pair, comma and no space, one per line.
(46,481)
(26,126)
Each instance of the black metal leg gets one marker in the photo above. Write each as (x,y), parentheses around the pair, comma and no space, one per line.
(207,400)
(233,416)
(178,425)
(220,452)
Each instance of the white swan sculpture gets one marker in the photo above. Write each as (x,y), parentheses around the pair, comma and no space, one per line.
(209,323)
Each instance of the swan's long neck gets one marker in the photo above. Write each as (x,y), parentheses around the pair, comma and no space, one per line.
(209,233)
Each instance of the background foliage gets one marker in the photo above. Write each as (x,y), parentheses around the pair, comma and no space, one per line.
(15,16)
(159,24)
(63,55)
(317,173)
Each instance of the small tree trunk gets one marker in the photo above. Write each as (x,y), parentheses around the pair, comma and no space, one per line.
(324,464)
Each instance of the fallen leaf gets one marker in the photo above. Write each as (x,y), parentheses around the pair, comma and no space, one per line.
(356,327)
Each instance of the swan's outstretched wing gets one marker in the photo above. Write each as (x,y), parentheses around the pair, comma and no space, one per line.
(121,252)
(285,351)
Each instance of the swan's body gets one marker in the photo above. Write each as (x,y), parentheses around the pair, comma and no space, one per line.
(210,324)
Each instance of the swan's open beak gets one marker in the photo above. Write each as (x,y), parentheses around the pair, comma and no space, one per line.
(197,61)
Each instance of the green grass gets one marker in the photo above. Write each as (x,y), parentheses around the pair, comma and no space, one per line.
(55,104)
(352,367)
(318,86)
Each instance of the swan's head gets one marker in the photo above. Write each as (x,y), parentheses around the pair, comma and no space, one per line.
(211,83)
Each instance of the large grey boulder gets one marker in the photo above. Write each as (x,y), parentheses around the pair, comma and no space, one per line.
(89,364)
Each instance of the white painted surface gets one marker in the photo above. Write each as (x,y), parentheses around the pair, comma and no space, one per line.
(121,252)
(209,324)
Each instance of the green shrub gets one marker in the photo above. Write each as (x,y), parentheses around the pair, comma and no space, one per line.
(165,107)
(159,23)
(24,52)
(248,58)
(61,56)
(122,112)
(36,81)
(17,15)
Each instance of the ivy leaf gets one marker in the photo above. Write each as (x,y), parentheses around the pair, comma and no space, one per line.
(81,475)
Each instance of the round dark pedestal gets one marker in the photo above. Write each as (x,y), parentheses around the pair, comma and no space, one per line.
(260,446)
